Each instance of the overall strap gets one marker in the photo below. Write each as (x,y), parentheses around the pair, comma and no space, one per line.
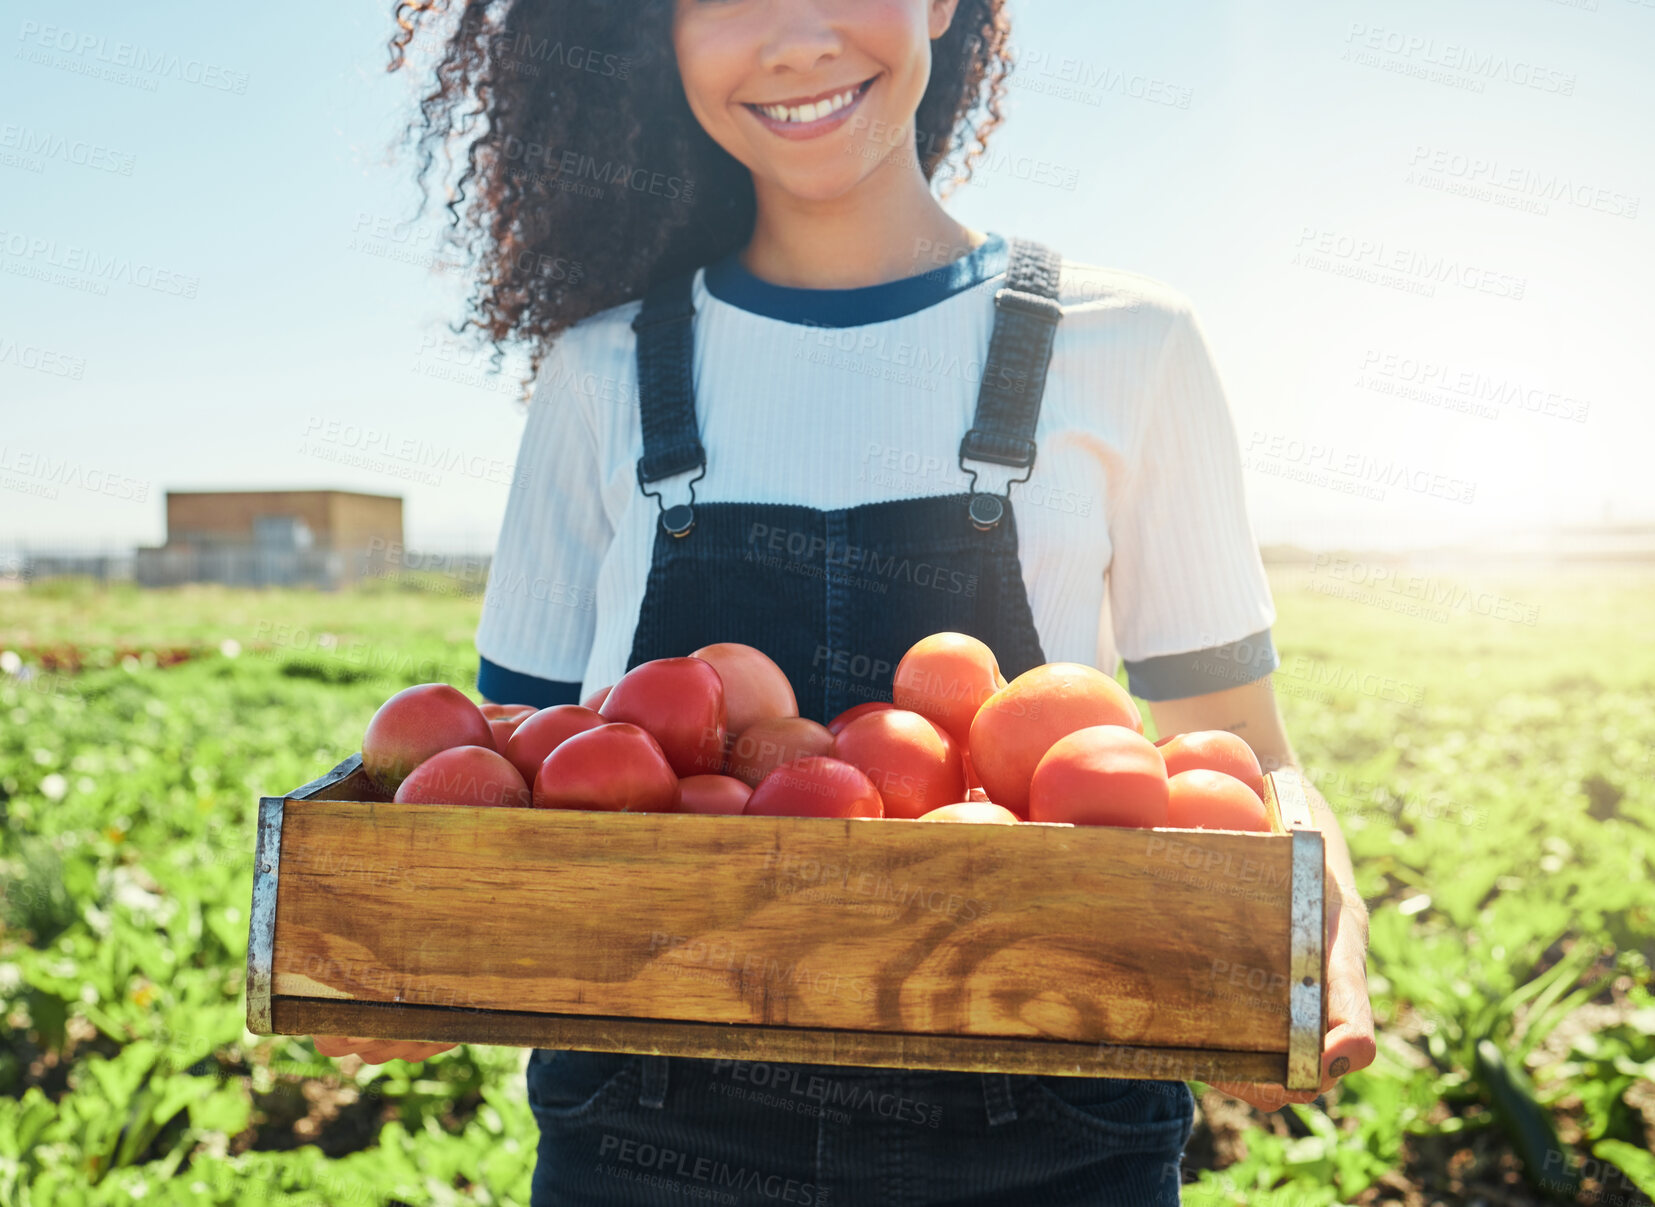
(666,393)
(1026,314)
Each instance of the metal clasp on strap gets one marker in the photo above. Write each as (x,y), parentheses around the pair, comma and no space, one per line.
(678,519)
(987,510)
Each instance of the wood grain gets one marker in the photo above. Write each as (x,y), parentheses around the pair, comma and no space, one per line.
(1158,939)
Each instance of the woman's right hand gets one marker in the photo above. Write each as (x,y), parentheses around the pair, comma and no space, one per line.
(376,1051)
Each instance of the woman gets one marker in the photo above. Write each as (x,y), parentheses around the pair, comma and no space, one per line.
(782,370)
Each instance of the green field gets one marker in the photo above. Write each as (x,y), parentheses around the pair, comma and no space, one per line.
(1489,747)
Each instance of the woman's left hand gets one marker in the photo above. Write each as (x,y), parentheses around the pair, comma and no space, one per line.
(1349,1044)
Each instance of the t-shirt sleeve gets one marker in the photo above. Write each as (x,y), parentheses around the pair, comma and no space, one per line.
(538,617)
(1188,598)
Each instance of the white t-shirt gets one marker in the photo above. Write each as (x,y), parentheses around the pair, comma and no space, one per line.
(1134,537)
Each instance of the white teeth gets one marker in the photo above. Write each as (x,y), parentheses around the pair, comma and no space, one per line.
(810,112)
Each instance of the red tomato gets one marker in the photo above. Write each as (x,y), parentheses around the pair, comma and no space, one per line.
(415,724)
(543,732)
(596,699)
(1214,750)
(754,686)
(815,787)
(1017,725)
(973,811)
(680,701)
(495,712)
(616,767)
(855,710)
(911,760)
(464,775)
(503,728)
(766,745)
(946,677)
(712,794)
(1200,799)
(1103,775)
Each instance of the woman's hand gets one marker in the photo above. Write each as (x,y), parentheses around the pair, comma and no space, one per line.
(1349,1044)
(376,1051)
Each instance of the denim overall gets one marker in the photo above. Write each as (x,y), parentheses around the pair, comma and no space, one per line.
(836,597)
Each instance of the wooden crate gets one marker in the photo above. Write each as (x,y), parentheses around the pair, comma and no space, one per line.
(1074,950)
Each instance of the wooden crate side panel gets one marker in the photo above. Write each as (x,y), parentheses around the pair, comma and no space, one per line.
(304,1016)
(847,925)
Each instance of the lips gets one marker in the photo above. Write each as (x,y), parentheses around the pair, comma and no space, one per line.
(808,111)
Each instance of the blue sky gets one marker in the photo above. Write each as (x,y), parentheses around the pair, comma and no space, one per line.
(1418,237)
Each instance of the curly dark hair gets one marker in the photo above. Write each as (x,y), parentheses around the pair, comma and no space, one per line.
(591,178)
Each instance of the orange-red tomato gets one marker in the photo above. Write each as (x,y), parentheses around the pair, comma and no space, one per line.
(495,712)
(680,701)
(911,760)
(765,745)
(616,767)
(596,699)
(973,811)
(1017,725)
(946,677)
(543,732)
(1103,775)
(855,710)
(464,775)
(415,724)
(1200,799)
(712,794)
(1214,750)
(815,787)
(502,728)
(754,686)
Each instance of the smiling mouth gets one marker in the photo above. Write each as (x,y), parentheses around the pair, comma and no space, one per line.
(815,109)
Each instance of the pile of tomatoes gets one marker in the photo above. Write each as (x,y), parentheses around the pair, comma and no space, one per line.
(719,731)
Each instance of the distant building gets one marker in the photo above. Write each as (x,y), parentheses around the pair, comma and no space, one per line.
(326,538)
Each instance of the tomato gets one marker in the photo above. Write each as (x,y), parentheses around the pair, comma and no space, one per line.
(712,794)
(1103,775)
(495,712)
(596,699)
(815,787)
(542,732)
(1017,724)
(415,724)
(766,745)
(856,710)
(911,760)
(616,767)
(464,775)
(754,686)
(946,677)
(680,701)
(1210,800)
(972,811)
(503,728)
(1214,750)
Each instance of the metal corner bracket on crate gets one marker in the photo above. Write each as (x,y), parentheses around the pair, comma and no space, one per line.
(1307,996)
(267,865)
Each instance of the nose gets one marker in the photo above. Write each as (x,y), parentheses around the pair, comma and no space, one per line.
(800,39)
